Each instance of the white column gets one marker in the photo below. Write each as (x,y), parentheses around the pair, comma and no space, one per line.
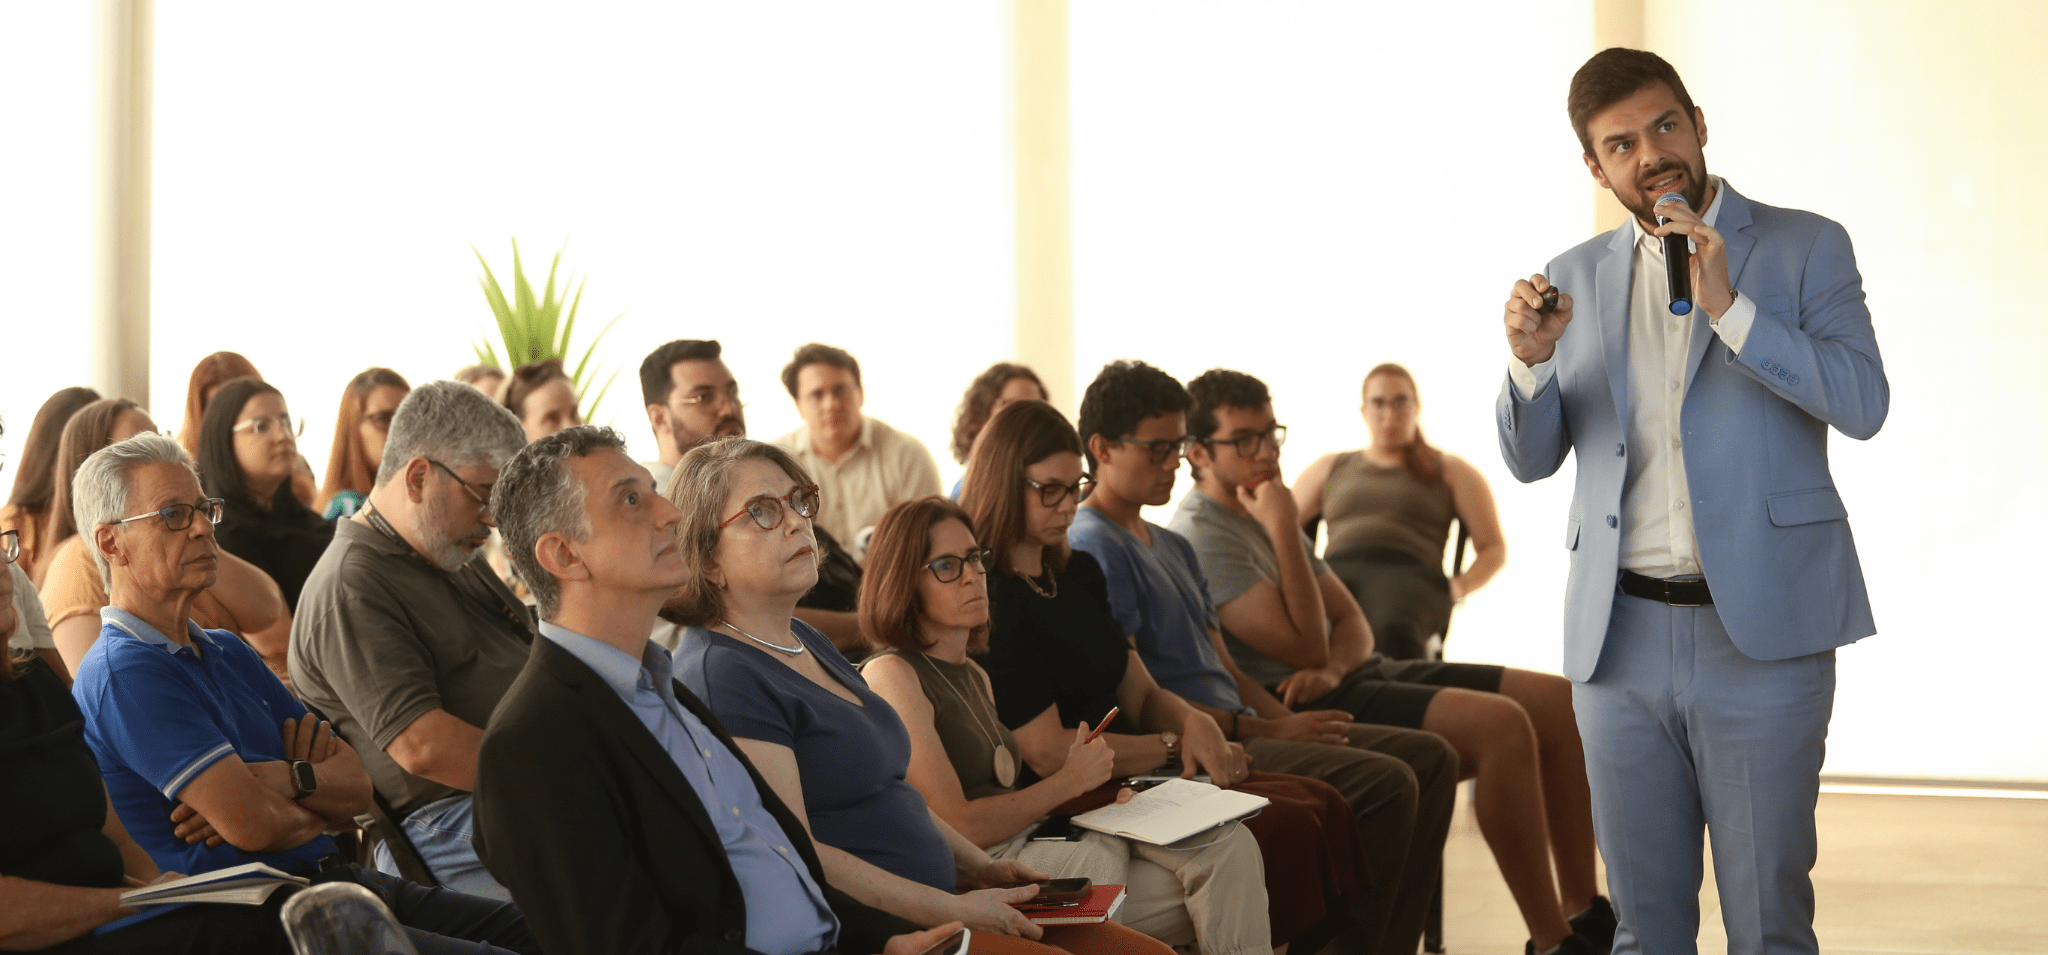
(120,317)
(1045,260)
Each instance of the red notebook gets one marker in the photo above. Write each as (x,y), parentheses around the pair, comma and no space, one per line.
(1101,903)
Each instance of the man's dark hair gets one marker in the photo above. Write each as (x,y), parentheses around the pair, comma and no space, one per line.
(1613,75)
(1220,388)
(816,354)
(536,495)
(656,381)
(1124,393)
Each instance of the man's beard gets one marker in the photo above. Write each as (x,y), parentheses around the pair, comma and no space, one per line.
(729,426)
(1695,191)
(442,551)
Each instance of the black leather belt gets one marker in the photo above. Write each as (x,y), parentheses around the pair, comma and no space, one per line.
(1677,593)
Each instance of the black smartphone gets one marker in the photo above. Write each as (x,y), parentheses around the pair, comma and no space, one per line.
(1056,829)
(954,944)
(1061,892)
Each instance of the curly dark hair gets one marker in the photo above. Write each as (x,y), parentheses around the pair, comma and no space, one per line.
(1124,393)
(1220,388)
(980,402)
(816,354)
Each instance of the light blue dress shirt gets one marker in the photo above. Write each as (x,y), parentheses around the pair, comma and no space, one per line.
(786,909)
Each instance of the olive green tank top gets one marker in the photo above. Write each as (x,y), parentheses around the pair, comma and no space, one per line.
(964,713)
(1366,505)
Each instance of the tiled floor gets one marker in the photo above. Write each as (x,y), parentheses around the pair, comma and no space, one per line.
(1899,875)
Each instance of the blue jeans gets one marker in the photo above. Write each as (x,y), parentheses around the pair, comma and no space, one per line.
(440,831)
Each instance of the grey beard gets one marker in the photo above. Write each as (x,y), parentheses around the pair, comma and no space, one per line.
(427,524)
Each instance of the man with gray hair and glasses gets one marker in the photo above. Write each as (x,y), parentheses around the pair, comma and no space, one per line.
(405,638)
(185,722)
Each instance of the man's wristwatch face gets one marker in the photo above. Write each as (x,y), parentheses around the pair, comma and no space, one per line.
(304,779)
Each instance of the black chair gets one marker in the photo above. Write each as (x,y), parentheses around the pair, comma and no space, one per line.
(377,827)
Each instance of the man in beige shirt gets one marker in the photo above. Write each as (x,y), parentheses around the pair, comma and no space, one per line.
(862,466)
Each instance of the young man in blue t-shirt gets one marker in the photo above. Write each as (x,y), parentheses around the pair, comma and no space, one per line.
(208,760)
(1400,782)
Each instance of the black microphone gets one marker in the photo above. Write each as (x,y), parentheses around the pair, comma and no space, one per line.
(1677,261)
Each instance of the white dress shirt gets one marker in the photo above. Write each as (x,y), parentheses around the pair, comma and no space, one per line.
(1656,521)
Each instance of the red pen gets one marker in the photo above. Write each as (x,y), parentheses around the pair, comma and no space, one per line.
(1105,723)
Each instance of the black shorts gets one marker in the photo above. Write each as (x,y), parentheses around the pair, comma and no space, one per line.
(1397,692)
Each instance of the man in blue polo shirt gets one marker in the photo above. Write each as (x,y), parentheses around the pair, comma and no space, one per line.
(209,761)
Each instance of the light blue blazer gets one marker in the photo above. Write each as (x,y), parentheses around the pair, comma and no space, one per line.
(1773,535)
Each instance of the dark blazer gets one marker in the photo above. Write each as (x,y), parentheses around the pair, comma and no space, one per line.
(599,837)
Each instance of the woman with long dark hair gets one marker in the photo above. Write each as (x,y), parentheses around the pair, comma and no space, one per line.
(208,376)
(248,445)
(364,421)
(1388,508)
(28,508)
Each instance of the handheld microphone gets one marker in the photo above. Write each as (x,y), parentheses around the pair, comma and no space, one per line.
(1677,261)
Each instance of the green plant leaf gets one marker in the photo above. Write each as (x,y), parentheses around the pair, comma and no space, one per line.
(535,327)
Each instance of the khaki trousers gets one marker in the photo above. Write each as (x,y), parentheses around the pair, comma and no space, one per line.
(1206,893)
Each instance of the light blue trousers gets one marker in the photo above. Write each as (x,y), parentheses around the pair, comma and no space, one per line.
(441,832)
(1684,734)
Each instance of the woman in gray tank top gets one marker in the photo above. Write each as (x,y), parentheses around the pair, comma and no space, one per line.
(1389,508)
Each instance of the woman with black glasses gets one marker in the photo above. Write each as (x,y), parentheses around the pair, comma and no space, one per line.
(248,446)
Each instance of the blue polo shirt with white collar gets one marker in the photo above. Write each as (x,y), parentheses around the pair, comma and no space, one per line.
(158,714)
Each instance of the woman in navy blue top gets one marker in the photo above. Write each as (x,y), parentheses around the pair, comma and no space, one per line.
(830,748)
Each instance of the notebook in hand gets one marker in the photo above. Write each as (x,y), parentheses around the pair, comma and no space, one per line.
(248,884)
(1172,811)
(1100,905)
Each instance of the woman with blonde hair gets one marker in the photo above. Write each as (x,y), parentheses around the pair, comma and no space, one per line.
(364,421)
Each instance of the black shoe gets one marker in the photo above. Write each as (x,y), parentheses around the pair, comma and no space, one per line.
(1596,925)
(1572,945)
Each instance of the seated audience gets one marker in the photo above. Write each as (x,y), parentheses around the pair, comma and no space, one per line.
(827,746)
(1389,508)
(990,392)
(608,800)
(1133,430)
(925,604)
(484,376)
(863,466)
(1293,628)
(1060,655)
(405,639)
(543,397)
(67,857)
(247,443)
(27,512)
(244,601)
(359,432)
(185,722)
(692,399)
(208,376)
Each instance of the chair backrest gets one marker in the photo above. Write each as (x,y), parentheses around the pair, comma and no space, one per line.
(342,918)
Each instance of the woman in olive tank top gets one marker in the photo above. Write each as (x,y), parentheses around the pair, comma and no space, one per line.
(1388,508)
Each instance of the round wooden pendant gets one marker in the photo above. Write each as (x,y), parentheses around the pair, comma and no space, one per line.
(1006,767)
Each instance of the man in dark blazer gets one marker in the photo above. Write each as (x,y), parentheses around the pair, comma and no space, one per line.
(608,799)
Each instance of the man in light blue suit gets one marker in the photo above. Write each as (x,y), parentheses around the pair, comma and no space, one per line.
(1712,568)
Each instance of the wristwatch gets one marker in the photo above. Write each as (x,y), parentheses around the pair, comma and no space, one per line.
(304,782)
(1172,741)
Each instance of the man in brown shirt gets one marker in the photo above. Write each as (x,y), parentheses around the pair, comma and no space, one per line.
(404,638)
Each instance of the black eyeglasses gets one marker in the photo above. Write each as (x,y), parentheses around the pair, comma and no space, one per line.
(10,545)
(1162,450)
(177,517)
(768,511)
(1249,444)
(1051,493)
(482,500)
(948,567)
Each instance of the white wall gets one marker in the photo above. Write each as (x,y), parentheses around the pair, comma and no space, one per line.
(754,173)
(1920,127)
